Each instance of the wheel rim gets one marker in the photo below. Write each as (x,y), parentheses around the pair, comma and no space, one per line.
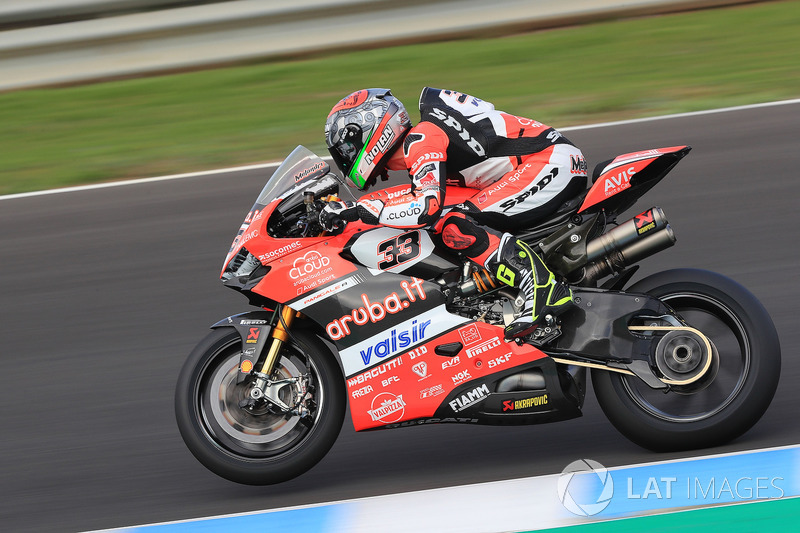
(260,433)
(731,343)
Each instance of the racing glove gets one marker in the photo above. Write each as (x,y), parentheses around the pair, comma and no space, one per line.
(335,216)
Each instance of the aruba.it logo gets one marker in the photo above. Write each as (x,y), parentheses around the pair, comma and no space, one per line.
(585,487)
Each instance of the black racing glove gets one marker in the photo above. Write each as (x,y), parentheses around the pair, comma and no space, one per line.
(335,216)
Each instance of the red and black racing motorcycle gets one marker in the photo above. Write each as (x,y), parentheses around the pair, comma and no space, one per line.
(681,359)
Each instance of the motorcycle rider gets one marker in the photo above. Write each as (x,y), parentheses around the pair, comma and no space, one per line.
(521,170)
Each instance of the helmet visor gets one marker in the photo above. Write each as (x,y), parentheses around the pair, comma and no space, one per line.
(346,151)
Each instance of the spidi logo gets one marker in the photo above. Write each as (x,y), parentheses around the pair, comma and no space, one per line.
(585,487)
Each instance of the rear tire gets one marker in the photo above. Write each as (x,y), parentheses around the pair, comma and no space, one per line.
(742,332)
(257,447)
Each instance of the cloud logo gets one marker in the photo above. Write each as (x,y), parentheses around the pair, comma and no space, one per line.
(585,487)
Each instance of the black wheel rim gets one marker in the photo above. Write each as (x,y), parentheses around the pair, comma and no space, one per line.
(721,325)
(260,433)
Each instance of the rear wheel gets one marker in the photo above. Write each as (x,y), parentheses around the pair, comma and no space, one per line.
(736,390)
(259,444)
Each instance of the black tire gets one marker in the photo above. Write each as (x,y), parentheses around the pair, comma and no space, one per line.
(745,338)
(261,448)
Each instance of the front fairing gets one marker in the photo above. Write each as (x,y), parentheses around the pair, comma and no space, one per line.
(260,239)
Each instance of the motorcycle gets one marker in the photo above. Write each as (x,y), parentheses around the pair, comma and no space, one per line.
(681,359)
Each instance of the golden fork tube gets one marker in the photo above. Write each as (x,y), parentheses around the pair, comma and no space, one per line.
(279,336)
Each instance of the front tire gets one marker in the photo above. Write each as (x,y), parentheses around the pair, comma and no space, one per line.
(742,333)
(257,446)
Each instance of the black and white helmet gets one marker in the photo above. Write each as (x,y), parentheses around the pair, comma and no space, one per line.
(362,132)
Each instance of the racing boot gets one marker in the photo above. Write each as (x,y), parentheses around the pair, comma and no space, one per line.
(516,264)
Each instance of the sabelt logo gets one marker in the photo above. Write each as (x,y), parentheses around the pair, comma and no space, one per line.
(376,311)
(387,408)
(308,264)
(431,392)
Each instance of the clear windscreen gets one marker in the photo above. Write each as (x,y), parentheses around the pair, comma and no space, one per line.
(299,170)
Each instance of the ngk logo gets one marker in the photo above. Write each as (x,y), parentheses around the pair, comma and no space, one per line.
(308,264)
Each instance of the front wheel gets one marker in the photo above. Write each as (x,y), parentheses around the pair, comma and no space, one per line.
(259,444)
(737,392)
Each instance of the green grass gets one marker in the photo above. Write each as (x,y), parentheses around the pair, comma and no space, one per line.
(246,114)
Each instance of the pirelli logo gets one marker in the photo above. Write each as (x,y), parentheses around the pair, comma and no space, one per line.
(483,347)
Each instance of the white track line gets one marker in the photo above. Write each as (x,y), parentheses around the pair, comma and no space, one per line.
(275,164)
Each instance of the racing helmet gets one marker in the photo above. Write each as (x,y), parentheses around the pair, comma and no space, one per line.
(362,132)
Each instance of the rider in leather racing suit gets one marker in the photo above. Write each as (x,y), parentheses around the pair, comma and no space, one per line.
(521,170)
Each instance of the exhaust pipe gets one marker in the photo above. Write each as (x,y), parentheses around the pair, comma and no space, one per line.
(630,242)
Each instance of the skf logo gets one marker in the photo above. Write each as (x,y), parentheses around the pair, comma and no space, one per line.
(252,337)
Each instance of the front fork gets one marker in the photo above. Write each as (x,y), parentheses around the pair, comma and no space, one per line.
(263,386)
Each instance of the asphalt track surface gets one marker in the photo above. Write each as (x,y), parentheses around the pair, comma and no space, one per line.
(104,293)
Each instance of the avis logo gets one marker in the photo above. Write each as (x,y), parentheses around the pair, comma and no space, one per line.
(308,264)
(619,182)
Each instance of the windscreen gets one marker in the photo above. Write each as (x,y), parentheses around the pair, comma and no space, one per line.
(298,169)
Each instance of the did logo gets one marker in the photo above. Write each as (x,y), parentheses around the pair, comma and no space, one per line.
(585,487)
